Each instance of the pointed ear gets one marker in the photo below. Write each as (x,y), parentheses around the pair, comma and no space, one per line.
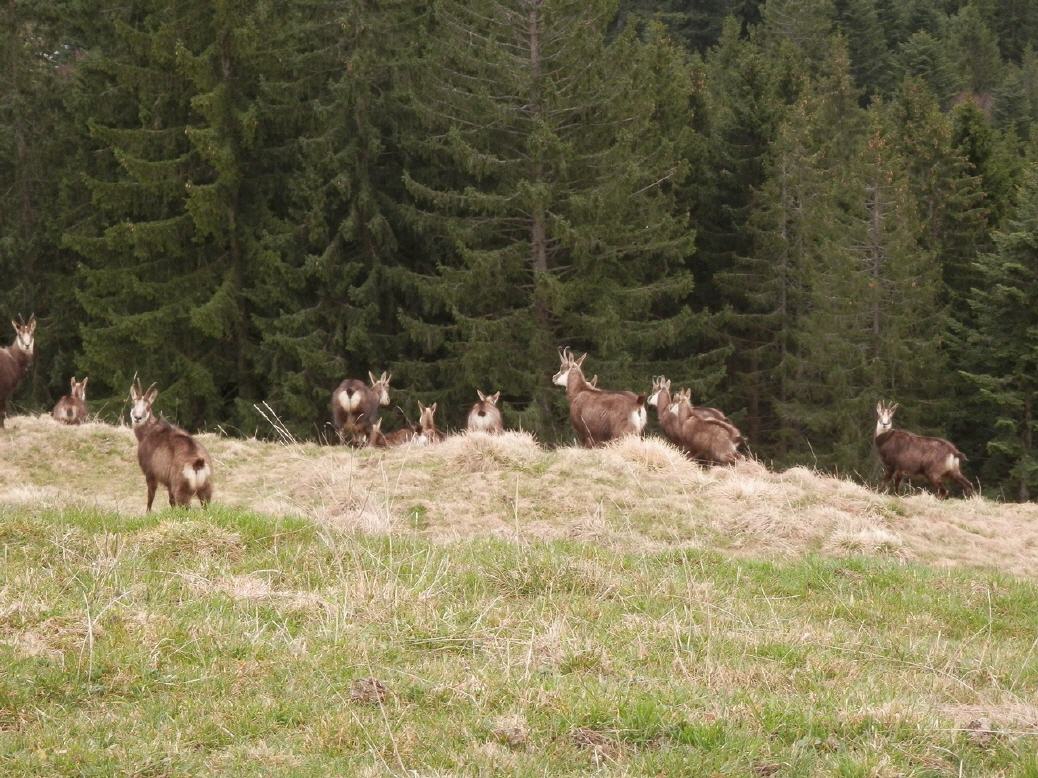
(151,394)
(85,379)
(580,361)
(32,323)
(72,383)
(433,407)
(386,376)
(421,408)
(482,397)
(494,398)
(371,378)
(15,325)
(879,407)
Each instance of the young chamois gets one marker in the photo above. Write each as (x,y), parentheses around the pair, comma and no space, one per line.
(72,408)
(167,454)
(428,433)
(15,361)
(355,407)
(485,416)
(598,415)
(701,434)
(400,437)
(907,455)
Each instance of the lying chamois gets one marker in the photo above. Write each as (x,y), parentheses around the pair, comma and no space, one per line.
(15,361)
(355,407)
(427,425)
(907,455)
(400,437)
(484,416)
(598,415)
(72,408)
(167,454)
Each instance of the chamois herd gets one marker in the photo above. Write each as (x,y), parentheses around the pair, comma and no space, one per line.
(170,456)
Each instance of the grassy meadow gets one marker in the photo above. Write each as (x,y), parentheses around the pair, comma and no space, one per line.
(486,606)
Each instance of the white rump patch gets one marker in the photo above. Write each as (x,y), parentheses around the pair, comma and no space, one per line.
(196,478)
(639,418)
(348,403)
(951,462)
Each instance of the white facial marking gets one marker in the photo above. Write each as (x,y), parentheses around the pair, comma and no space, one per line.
(653,399)
(562,377)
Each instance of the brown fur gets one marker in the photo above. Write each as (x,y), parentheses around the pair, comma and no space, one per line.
(400,437)
(15,362)
(72,408)
(598,415)
(709,440)
(165,452)
(427,424)
(353,424)
(660,397)
(485,416)
(907,455)
(684,409)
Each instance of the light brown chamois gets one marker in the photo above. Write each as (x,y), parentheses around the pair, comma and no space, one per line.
(72,407)
(598,415)
(355,407)
(484,415)
(907,455)
(428,433)
(700,435)
(167,454)
(15,361)
(660,399)
(400,437)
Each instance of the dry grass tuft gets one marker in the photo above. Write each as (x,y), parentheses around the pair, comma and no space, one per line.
(190,537)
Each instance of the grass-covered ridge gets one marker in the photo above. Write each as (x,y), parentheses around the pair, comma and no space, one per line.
(237,643)
(635,495)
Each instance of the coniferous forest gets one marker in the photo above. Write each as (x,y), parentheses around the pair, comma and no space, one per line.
(795,207)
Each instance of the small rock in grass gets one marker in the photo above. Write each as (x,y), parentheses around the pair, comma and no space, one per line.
(369,690)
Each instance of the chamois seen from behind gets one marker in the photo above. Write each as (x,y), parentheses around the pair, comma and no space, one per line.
(167,454)
(72,407)
(15,360)
(428,433)
(355,407)
(907,455)
(484,415)
(598,415)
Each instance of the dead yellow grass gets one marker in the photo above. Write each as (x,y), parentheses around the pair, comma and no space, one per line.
(632,494)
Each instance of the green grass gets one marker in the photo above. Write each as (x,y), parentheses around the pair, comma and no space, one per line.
(226,642)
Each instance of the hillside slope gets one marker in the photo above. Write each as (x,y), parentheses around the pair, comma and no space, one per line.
(635,495)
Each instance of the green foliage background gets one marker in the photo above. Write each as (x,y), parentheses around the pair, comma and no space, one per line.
(796,207)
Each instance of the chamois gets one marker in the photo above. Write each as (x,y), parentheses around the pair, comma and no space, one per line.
(427,423)
(15,361)
(683,409)
(167,454)
(400,437)
(355,407)
(695,430)
(660,399)
(485,416)
(598,415)
(72,408)
(906,455)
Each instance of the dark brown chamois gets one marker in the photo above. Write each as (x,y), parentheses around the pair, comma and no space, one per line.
(15,361)
(907,455)
(167,454)
(684,409)
(598,415)
(355,407)
(72,407)
(701,435)
(428,433)
(484,415)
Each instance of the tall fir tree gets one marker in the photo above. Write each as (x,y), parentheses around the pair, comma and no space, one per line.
(555,222)
(1006,342)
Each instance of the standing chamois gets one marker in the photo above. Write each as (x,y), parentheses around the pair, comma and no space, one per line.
(907,455)
(167,454)
(598,415)
(15,361)
(72,407)
(485,416)
(355,407)
(704,434)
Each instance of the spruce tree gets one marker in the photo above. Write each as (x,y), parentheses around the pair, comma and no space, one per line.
(1005,344)
(553,214)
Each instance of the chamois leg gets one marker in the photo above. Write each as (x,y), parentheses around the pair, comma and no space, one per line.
(205,493)
(3,412)
(888,479)
(962,481)
(181,496)
(152,486)
(938,486)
